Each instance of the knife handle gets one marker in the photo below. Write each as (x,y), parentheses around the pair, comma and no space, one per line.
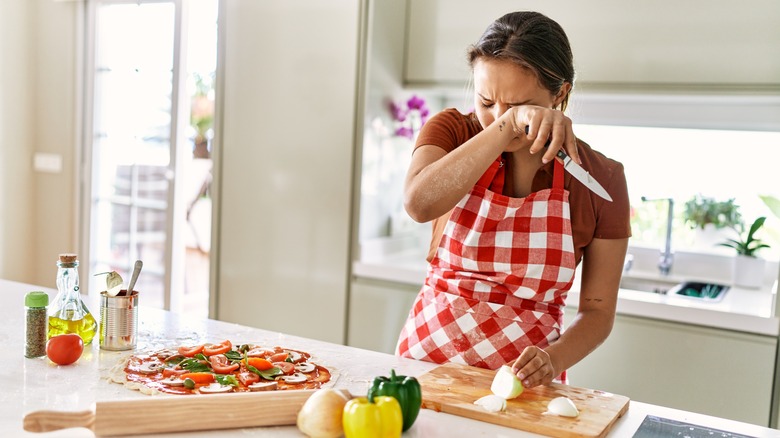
(47,421)
(561,153)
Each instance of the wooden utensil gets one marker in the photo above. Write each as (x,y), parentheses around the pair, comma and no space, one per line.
(453,388)
(161,414)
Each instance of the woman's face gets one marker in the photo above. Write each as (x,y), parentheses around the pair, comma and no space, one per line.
(501,84)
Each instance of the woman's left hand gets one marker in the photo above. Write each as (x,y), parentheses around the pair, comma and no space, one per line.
(534,367)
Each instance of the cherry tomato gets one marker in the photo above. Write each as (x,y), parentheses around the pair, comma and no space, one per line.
(279,357)
(286,367)
(221,365)
(221,348)
(168,372)
(248,378)
(198,377)
(259,363)
(65,349)
(190,351)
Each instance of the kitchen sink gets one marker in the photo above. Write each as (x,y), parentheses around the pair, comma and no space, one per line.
(689,289)
(704,291)
(647,285)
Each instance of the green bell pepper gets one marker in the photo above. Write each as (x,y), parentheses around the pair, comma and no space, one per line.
(404,389)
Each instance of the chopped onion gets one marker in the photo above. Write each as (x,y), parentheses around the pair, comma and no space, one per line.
(506,384)
(562,406)
(492,403)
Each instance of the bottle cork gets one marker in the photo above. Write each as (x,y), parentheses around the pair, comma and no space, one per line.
(68,258)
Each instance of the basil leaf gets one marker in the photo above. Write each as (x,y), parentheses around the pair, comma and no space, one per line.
(268,374)
(174,360)
(226,379)
(201,356)
(194,366)
(233,356)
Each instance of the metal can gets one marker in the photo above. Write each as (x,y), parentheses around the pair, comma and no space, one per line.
(118,321)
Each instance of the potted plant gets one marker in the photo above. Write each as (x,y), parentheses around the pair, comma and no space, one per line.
(708,217)
(748,267)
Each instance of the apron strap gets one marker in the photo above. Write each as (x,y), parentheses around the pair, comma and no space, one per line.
(493,178)
(558,175)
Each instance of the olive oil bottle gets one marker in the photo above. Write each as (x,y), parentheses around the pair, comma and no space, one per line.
(68,312)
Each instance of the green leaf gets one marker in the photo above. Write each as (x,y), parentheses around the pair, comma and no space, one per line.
(195,366)
(234,356)
(175,360)
(201,356)
(268,374)
(226,379)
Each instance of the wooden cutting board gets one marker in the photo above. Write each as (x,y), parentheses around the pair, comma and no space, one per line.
(162,414)
(453,388)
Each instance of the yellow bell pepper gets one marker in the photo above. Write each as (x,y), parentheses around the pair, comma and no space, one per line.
(380,419)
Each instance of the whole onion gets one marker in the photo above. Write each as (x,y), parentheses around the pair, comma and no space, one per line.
(320,416)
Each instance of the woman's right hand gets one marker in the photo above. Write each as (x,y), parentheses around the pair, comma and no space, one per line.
(542,124)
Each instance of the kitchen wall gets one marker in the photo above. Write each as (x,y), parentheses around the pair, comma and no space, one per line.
(38,110)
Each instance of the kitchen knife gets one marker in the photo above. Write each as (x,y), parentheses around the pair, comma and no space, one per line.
(579,173)
(177,413)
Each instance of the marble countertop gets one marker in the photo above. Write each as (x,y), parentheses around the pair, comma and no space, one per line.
(38,384)
(741,309)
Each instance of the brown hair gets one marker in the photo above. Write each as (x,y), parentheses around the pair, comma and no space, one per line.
(531,40)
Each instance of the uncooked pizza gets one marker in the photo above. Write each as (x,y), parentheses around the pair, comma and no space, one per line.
(219,368)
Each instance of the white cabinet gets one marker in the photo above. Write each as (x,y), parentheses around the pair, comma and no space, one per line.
(668,43)
(377,312)
(286,164)
(711,371)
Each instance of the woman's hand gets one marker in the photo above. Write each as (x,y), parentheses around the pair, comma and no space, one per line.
(534,367)
(544,124)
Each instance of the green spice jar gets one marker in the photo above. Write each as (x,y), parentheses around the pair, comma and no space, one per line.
(36,323)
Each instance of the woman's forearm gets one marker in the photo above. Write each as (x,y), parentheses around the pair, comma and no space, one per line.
(436,183)
(588,330)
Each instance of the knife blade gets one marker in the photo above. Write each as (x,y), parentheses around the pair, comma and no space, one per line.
(579,173)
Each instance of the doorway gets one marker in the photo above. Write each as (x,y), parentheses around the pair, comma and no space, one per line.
(150,72)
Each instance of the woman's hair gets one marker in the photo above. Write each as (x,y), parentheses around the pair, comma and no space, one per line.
(533,41)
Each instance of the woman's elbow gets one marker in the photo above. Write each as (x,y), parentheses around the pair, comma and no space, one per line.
(415,211)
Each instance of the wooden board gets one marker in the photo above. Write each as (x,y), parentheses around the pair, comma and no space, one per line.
(453,388)
(162,414)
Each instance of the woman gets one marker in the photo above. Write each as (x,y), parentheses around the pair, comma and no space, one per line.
(510,226)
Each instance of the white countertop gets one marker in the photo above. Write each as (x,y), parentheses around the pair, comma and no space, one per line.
(745,310)
(37,384)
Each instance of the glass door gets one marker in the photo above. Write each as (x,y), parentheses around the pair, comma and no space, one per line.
(149,124)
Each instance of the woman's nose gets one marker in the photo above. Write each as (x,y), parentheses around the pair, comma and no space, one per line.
(499,110)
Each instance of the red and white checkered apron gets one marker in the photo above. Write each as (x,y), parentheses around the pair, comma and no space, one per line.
(499,278)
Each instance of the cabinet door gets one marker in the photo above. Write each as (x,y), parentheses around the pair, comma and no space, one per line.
(286,164)
(651,42)
(710,371)
(377,312)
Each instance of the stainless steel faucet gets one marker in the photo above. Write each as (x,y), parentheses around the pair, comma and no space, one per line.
(666,259)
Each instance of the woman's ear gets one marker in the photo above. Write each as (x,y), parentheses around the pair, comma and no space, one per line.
(562,93)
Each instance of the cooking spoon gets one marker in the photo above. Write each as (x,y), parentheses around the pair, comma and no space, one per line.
(136,270)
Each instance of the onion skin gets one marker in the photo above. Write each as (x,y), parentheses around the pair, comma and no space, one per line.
(320,416)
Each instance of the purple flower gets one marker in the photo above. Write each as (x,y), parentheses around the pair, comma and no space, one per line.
(399,114)
(404,131)
(424,115)
(415,102)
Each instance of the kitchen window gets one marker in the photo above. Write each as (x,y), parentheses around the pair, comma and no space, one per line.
(149,85)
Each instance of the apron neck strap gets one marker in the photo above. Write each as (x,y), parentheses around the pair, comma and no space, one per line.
(558,175)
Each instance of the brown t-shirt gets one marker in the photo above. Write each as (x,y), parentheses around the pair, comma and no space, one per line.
(591,216)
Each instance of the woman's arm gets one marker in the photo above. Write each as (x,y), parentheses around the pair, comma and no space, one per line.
(437,180)
(601,271)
